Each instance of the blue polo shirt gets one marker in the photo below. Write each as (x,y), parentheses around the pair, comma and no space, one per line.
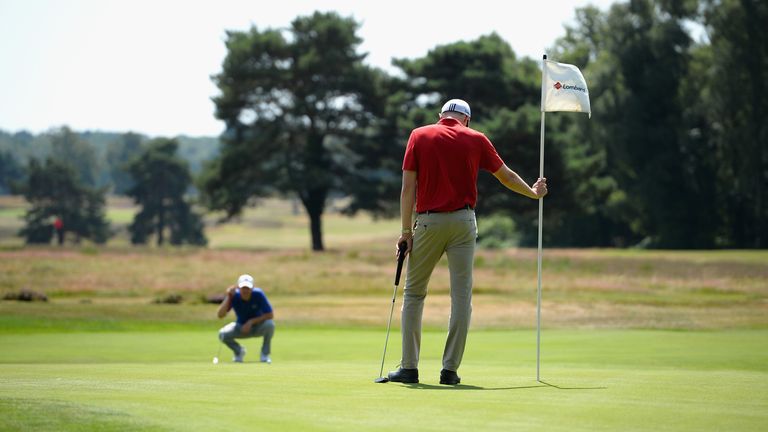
(256,306)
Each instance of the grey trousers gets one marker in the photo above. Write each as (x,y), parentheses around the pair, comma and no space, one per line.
(231,331)
(454,234)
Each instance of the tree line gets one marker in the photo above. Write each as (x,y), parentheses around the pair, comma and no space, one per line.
(99,155)
(674,155)
(65,198)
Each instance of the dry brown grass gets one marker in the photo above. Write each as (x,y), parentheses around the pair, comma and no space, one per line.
(582,288)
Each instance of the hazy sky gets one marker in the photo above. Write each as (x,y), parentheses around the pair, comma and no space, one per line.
(145,65)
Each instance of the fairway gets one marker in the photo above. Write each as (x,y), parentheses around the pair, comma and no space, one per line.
(322,379)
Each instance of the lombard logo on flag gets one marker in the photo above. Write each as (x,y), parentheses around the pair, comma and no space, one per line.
(564,89)
(569,87)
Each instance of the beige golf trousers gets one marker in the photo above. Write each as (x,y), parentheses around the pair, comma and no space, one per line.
(454,234)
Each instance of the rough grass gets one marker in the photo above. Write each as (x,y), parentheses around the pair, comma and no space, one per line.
(272,224)
(582,288)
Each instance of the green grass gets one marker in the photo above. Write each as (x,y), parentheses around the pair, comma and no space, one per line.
(321,379)
(632,340)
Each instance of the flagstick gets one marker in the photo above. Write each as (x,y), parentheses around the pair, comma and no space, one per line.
(541,223)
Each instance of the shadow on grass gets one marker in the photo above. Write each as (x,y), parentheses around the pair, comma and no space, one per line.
(572,388)
(543,384)
(465,387)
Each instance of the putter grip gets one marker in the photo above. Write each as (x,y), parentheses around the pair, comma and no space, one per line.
(400,258)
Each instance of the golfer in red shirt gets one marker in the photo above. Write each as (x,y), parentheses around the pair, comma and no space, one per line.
(440,177)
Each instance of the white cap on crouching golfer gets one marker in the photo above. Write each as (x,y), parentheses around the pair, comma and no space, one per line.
(457,105)
(245,281)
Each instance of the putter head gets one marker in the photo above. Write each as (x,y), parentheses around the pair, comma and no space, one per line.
(380,380)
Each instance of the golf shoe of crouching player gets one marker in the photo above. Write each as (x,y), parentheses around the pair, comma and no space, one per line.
(254,318)
(440,170)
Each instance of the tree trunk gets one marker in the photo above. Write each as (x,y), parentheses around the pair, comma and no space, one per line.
(314,203)
(316,228)
(160,227)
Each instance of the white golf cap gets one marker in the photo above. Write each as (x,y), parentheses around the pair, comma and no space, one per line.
(245,280)
(457,105)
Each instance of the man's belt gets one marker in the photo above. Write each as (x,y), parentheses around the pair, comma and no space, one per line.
(465,207)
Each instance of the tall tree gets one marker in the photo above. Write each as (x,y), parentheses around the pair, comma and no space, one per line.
(119,154)
(296,108)
(604,216)
(374,177)
(738,76)
(10,171)
(160,181)
(485,72)
(53,189)
(68,147)
(647,129)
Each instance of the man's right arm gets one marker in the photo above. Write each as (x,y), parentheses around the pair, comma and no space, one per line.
(515,183)
(407,201)
(226,304)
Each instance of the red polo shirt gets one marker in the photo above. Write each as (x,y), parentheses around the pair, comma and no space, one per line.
(447,157)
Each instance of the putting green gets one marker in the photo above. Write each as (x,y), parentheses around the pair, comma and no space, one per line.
(322,379)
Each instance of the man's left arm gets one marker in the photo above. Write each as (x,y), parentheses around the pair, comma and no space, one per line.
(515,183)
(264,305)
(246,328)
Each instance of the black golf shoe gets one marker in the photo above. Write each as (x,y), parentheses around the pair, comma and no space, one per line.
(449,377)
(404,376)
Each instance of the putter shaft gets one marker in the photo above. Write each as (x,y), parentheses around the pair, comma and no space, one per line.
(401,248)
(389,324)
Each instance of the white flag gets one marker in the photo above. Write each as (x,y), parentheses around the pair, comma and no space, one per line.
(564,89)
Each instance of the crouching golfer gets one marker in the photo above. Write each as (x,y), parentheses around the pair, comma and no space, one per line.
(254,318)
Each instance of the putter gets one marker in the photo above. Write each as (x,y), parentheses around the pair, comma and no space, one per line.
(216,359)
(400,258)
